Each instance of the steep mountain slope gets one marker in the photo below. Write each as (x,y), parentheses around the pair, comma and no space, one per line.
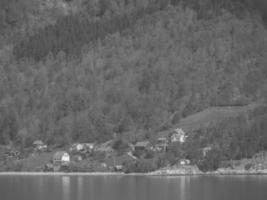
(168,62)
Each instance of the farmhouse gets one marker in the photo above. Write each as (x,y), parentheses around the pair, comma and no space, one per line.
(178,136)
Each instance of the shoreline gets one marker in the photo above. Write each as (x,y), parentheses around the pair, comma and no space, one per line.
(60,173)
(155,173)
(220,172)
(71,174)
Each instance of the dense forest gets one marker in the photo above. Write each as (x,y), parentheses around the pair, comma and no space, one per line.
(127,67)
(71,33)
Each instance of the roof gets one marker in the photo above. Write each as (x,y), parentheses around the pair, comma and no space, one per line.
(142,144)
(38,142)
(104,149)
(165,133)
(107,144)
(58,155)
(162,139)
(179,131)
(89,144)
(170,132)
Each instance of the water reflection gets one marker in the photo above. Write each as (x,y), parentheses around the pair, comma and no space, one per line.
(66,187)
(133,188)
(80,186)
(182,187)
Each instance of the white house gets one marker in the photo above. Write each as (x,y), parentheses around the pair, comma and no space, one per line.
(61,158)
(178,136)
(184,162)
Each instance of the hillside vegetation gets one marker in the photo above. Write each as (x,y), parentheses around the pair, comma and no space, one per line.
(166,61)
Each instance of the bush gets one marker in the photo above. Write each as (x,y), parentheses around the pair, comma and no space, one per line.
(120,146)
(149,154)
(99,156)
(210,162)
(145,166)
(161,161)
(141,166)
(248,166)
(138,153)
(15,166)
(226,164)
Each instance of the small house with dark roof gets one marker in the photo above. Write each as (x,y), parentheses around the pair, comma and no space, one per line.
(162,144)
(39,145)
(143,145)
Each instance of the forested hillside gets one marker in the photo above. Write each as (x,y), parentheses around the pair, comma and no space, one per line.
(129,66)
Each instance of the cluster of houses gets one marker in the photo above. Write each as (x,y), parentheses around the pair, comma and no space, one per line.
(112,161)
(167,138)
(79,151)
(7,152)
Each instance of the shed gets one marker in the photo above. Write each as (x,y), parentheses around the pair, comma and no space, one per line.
(143,145)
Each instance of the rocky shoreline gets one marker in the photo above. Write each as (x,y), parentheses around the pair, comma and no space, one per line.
(194,171)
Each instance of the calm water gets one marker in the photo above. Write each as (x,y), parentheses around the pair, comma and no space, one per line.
(133,188)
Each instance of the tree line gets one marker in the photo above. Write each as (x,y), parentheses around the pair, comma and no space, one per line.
(71,33)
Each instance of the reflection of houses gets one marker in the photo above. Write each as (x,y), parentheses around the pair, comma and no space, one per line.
(178,136)
(61,158)
(143,146)
(162,144)
(38,145)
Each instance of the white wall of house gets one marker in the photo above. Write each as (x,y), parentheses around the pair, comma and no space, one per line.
(65,157)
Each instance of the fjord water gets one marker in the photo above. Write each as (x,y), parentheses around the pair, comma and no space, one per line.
(133,188)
